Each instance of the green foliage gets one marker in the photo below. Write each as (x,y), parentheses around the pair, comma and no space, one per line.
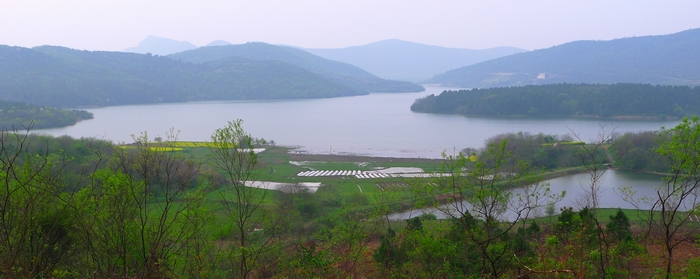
(619,226)
(89,210)
(638,150)
(591,100)
(540,150)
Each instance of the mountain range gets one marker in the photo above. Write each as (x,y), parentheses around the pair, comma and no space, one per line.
(343,73)
(63,77)
(388,59)
(402,60)
(667,60)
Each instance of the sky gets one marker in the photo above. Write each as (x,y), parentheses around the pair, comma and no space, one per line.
(533,24)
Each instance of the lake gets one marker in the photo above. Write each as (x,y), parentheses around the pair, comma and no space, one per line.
(379,124)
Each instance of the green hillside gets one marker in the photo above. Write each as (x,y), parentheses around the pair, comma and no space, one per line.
(616,100)
(337,71)
(62,77)
(668,59)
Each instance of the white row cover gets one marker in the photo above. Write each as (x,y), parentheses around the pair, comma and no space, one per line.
(355,173)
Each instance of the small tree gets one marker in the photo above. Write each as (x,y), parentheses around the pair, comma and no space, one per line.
(480,198)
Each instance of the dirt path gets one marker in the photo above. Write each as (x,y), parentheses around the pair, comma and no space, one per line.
(345,158)
(610,157)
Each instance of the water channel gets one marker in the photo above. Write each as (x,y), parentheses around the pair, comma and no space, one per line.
(576,186)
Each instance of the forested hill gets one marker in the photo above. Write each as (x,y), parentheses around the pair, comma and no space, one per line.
(14,115)
(62,77)
(668,59)
(567,100)
(337,71)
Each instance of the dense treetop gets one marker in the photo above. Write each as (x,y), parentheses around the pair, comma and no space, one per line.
(20,115)
(63,77)
(668,59)
(567,100)
(337,71)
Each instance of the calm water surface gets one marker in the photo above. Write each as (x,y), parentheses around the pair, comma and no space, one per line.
(379,124)
(610,196)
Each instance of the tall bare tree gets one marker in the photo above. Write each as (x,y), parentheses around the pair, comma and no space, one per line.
(233,156)
(135,215)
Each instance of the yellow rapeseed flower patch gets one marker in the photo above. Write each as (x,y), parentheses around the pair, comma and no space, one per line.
(192,144)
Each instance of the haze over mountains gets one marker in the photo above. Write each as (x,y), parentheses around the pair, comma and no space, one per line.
(63,77)
(58,76)
(667,59)
(402,60)
(343,73)
(160,46)
(387,59)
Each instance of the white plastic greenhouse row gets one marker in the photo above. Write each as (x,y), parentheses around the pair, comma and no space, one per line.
(355,173)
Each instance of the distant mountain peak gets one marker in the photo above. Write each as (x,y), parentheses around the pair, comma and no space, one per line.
(160,46)
(218,43)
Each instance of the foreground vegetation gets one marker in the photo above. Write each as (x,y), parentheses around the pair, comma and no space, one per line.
(83,208)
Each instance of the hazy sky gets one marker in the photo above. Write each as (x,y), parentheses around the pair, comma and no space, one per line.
(116,25)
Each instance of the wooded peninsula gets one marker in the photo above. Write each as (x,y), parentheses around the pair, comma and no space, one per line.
(21,116)
(585,100)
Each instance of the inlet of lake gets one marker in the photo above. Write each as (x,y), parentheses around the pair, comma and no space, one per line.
(378,124)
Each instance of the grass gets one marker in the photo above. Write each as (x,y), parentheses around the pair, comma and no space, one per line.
(564,143)
(274,165)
